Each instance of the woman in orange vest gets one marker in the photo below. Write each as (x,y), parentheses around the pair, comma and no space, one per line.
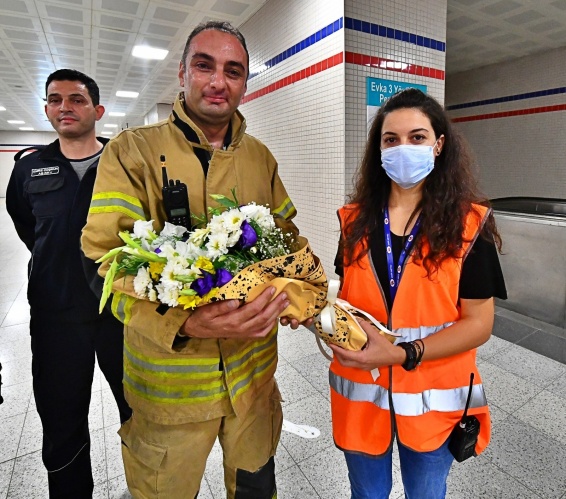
(418,252)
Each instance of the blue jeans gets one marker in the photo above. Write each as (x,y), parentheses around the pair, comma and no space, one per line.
(424,473)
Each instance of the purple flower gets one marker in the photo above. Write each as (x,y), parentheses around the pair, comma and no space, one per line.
(222,277)
(248,237)
(203,284)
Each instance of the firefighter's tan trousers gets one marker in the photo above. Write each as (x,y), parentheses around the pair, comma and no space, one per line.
(168,461)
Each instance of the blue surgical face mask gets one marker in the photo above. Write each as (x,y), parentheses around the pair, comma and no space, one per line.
(407,165)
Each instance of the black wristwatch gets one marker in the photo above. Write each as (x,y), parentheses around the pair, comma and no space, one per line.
(411,352)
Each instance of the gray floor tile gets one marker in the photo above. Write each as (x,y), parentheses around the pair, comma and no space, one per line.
(547,344)
(100,491)
(497,414)
(10,432)
(505,390)
(296,344)
(283,460)
(118,489)
(18,314)
(327,473)
(314,411)
(95,418)
(214,472)
(16,371)
(480,478)
(558,386)
(529,456)
(98,456)
(530,366)
(510,330)
(113,444)
(493,346)
(29,479)
(30,440)
(6,469)
(110,413)
(16,332)
(315,369)
(293,385)
(547,413)
(15,350)
(293,484)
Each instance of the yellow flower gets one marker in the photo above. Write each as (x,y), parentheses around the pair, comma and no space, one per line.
(155,269)
(189,301)
(204,264)
(208,296)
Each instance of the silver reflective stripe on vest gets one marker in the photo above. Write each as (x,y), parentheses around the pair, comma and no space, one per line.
(409,404)
(418,333)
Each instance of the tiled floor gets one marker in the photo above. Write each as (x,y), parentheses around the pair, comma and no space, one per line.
(526,391)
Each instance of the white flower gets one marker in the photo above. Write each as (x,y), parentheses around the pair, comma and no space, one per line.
(142,282)
(152,295)
(216,245)
(167,250)
(259,214)
(144,230)
(232,219)
(168,295)
(199,235)
(172,230)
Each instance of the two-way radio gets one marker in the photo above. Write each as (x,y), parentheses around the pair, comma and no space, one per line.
(175,199)
(464,436)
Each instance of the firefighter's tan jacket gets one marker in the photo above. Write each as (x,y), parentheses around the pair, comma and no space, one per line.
(169,381)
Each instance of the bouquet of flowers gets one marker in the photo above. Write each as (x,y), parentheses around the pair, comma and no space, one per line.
(237,254)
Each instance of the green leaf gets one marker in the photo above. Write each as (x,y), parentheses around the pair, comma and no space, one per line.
(224,201)
(110,254)
(187,292)
(107,287)
(125,236)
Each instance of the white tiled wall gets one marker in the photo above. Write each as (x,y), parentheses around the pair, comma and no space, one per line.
(428,19)
(316,127)
(302,123)
(521,155)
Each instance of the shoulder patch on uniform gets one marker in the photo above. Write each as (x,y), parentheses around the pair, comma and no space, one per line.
(40,172)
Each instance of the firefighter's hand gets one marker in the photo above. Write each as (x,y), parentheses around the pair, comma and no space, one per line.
(230,319)
(294,323)
(377,352)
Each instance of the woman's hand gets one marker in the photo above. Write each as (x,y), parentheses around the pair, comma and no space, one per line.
(378,351)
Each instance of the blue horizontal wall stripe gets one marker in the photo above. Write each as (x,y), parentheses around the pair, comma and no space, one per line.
(394,34)
(508,98)
(303,44)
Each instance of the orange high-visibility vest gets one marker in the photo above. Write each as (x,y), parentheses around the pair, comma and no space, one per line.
(421,406)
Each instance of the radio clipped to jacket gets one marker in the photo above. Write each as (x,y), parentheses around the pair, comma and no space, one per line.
(175,200)
(464,436)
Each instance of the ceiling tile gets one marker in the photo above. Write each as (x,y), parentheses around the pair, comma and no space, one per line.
(174,16)
(16,22)
(525,17)
(122,23)
(230,7)
(65,13)
(548,25)
(124,6)
(65,29)
(501,7)
(159,29)
(15,6)
(21,35)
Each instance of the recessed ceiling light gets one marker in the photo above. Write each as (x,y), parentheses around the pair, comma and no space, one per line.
(111,125)
(147,52)
(107,132)
(16,122)
(26,128)
(114,113)
(125,93)
(2,108)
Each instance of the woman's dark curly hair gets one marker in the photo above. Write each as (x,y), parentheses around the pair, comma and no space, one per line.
(448,191)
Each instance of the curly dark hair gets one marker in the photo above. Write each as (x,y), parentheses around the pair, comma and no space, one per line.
(448,191)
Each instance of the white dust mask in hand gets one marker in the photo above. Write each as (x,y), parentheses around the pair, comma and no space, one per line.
(407,165)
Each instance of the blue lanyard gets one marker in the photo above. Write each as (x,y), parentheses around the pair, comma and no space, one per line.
(395,273)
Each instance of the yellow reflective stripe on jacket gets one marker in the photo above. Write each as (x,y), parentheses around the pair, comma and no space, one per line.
(409,404)
(250,364)
(177,367)
(175,394)
(286,209)
(122,306)
(113,201)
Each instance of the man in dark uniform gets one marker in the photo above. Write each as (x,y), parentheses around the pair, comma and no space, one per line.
(48,197)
